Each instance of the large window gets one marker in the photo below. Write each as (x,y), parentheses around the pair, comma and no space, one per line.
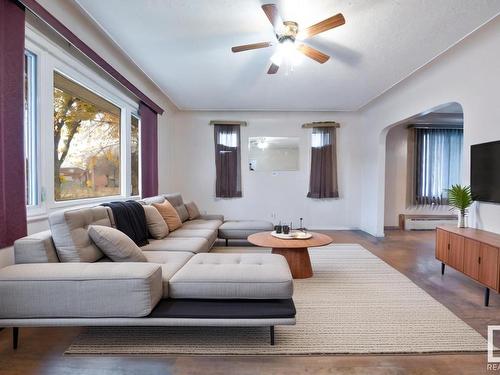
(438,164)
(30,129)
(82,132)
(87,135)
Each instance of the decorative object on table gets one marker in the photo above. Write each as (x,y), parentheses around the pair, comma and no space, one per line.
(278,228)
(292,235)
(286,229)
(302,228)
(460,198)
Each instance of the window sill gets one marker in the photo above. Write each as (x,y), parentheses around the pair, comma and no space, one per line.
(40,214)
(32,218)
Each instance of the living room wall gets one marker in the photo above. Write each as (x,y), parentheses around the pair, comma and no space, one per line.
(267,195)
(469,74)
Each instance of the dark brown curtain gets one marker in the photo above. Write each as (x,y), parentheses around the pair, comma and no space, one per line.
(12,182)
(323,180)
(227,161)
(149,151)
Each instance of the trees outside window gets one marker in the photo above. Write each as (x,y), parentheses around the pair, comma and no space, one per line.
(86,143)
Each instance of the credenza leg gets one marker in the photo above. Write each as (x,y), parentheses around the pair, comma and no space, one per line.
(486,296)
(271,331)
(15,337)
(442,268)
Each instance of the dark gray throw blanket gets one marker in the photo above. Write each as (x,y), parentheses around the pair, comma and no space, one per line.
(130,218)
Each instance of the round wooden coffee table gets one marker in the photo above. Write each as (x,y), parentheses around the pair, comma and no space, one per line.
(294,251)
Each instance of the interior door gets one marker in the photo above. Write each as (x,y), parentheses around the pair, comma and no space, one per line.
(471,258)
(488,266)
(456,252)
(442,245)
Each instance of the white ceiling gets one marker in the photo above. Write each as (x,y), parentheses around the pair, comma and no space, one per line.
(185,47)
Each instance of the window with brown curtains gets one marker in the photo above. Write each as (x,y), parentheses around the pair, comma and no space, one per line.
(227,161)
(323,180)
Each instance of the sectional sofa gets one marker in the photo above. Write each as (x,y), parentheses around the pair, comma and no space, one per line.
(61,278)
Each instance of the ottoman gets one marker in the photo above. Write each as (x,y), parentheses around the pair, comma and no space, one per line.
(242,289)
(233,276)
(241,229)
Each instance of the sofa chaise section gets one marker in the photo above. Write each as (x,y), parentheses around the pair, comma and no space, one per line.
(79,290)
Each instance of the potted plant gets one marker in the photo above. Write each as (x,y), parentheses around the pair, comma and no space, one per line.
(460,198)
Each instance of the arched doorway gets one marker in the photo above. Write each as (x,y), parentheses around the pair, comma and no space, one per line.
(423,157)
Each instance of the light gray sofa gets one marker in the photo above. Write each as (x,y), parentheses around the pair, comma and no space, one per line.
(61,278)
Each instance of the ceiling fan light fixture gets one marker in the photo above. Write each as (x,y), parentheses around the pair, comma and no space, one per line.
(286,52)
(277,58)
(287,33)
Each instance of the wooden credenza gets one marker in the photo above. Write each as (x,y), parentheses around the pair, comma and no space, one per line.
(473,252)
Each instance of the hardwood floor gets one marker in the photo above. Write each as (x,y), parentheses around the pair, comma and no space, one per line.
(412,253)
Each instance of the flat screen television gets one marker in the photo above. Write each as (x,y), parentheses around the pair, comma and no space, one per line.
(485,172)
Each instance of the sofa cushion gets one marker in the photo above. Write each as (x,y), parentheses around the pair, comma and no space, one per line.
(202,224)
(170,262)
(209,234)
(169,214)
(111,216)
(157,226)
(151,200)
(36,248)
(176,200)
(193,245)
(233,276)
(241,229)
(70,235)
(192,210)
(83,290)
(115,244)
(212,217)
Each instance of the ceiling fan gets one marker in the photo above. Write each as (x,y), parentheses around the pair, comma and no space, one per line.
(289,37)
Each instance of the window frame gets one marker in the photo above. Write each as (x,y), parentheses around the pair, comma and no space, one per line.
(53,58)
(139,149)
(32,131)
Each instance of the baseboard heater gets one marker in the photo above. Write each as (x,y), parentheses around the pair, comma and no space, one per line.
(427,222)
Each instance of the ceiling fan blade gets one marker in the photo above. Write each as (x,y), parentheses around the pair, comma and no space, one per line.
(313,53)
(329,23)
(247,47)
(272,14)
(273,69)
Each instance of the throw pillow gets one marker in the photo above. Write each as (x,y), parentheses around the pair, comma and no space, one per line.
(156,225)
(115,244)
(169,214)
(193,211)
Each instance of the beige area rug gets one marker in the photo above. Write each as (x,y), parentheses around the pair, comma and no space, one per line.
(354,303)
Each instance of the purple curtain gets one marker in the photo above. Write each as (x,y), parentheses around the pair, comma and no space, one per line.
(149,151)
(323,180)
(12,184)
(227,161)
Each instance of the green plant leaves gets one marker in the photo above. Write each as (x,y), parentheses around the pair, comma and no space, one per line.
(460,197)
